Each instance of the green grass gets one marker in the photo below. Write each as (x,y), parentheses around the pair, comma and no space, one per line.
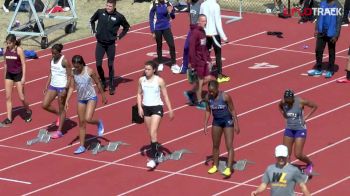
(135,13)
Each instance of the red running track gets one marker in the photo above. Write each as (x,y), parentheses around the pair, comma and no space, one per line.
(53,169)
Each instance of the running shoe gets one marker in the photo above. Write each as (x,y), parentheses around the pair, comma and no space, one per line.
(56,135)
(175,69)
(223,78)
(151,164)
(213,169)
(6,121)
(227,172)
(343,80)
(201,105)
(160,67)
(100,128)
(28,117)
(111,90)
(314,72)
(80,150)
(328,74)
(308,169)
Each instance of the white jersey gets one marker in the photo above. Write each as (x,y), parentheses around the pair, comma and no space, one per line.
(58,74)
(151,91)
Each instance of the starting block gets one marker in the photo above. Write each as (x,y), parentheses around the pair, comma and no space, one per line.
(111,147)
(176,155)
(2,125)
(238,166)
(43,136)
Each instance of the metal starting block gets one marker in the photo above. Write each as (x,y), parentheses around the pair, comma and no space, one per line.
(2,125)
(176,155)
(111,147)
(43,136)
(238,166)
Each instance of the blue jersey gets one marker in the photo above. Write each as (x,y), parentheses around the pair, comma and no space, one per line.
(219,107)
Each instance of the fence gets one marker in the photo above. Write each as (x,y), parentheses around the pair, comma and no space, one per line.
(259,6)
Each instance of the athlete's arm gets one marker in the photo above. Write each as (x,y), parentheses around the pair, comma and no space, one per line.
(166,97)
(68,67)
(207,115)
(304,189)
(280,107)
(259,190)
(231,107)
(97,81)
(310,104)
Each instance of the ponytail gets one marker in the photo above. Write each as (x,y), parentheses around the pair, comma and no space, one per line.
(12,38)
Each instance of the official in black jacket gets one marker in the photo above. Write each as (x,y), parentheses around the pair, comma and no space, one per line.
(109,21)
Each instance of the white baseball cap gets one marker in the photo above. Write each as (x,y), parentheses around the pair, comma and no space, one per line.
(281,151)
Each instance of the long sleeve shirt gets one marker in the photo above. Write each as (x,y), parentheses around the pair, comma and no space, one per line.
(211,9)
(159,18)
(108,26)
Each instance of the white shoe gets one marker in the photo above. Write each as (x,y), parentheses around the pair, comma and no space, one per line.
(175,69)
(5,9)
(160,67)
(66,9)
(151,164)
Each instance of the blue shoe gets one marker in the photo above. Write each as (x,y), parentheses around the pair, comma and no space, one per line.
(190,98)
(314,72)
(201,105)
(328,74)
(80,150)
(100,127)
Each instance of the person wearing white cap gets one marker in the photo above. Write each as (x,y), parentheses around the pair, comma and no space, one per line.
(282,176)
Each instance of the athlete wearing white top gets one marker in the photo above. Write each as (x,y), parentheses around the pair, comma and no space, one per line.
(58,74)
(151,91)
(150,105)
(56,86)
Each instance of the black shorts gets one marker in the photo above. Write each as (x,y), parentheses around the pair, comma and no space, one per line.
(349,51)
(15,77)
(153,110)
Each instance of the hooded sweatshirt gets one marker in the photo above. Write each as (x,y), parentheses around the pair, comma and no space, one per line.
(199,54)
(211,9)
(159,18)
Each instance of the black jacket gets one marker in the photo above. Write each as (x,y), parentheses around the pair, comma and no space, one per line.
(108,26)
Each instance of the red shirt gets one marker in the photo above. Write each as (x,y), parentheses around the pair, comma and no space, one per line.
(13,61)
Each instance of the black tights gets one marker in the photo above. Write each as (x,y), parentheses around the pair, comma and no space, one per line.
(101,49)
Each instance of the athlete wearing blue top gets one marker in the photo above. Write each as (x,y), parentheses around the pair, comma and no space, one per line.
(159,20)
(292,109)
(224,121)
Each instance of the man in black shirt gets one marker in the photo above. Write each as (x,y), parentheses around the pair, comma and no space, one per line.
(109,21)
